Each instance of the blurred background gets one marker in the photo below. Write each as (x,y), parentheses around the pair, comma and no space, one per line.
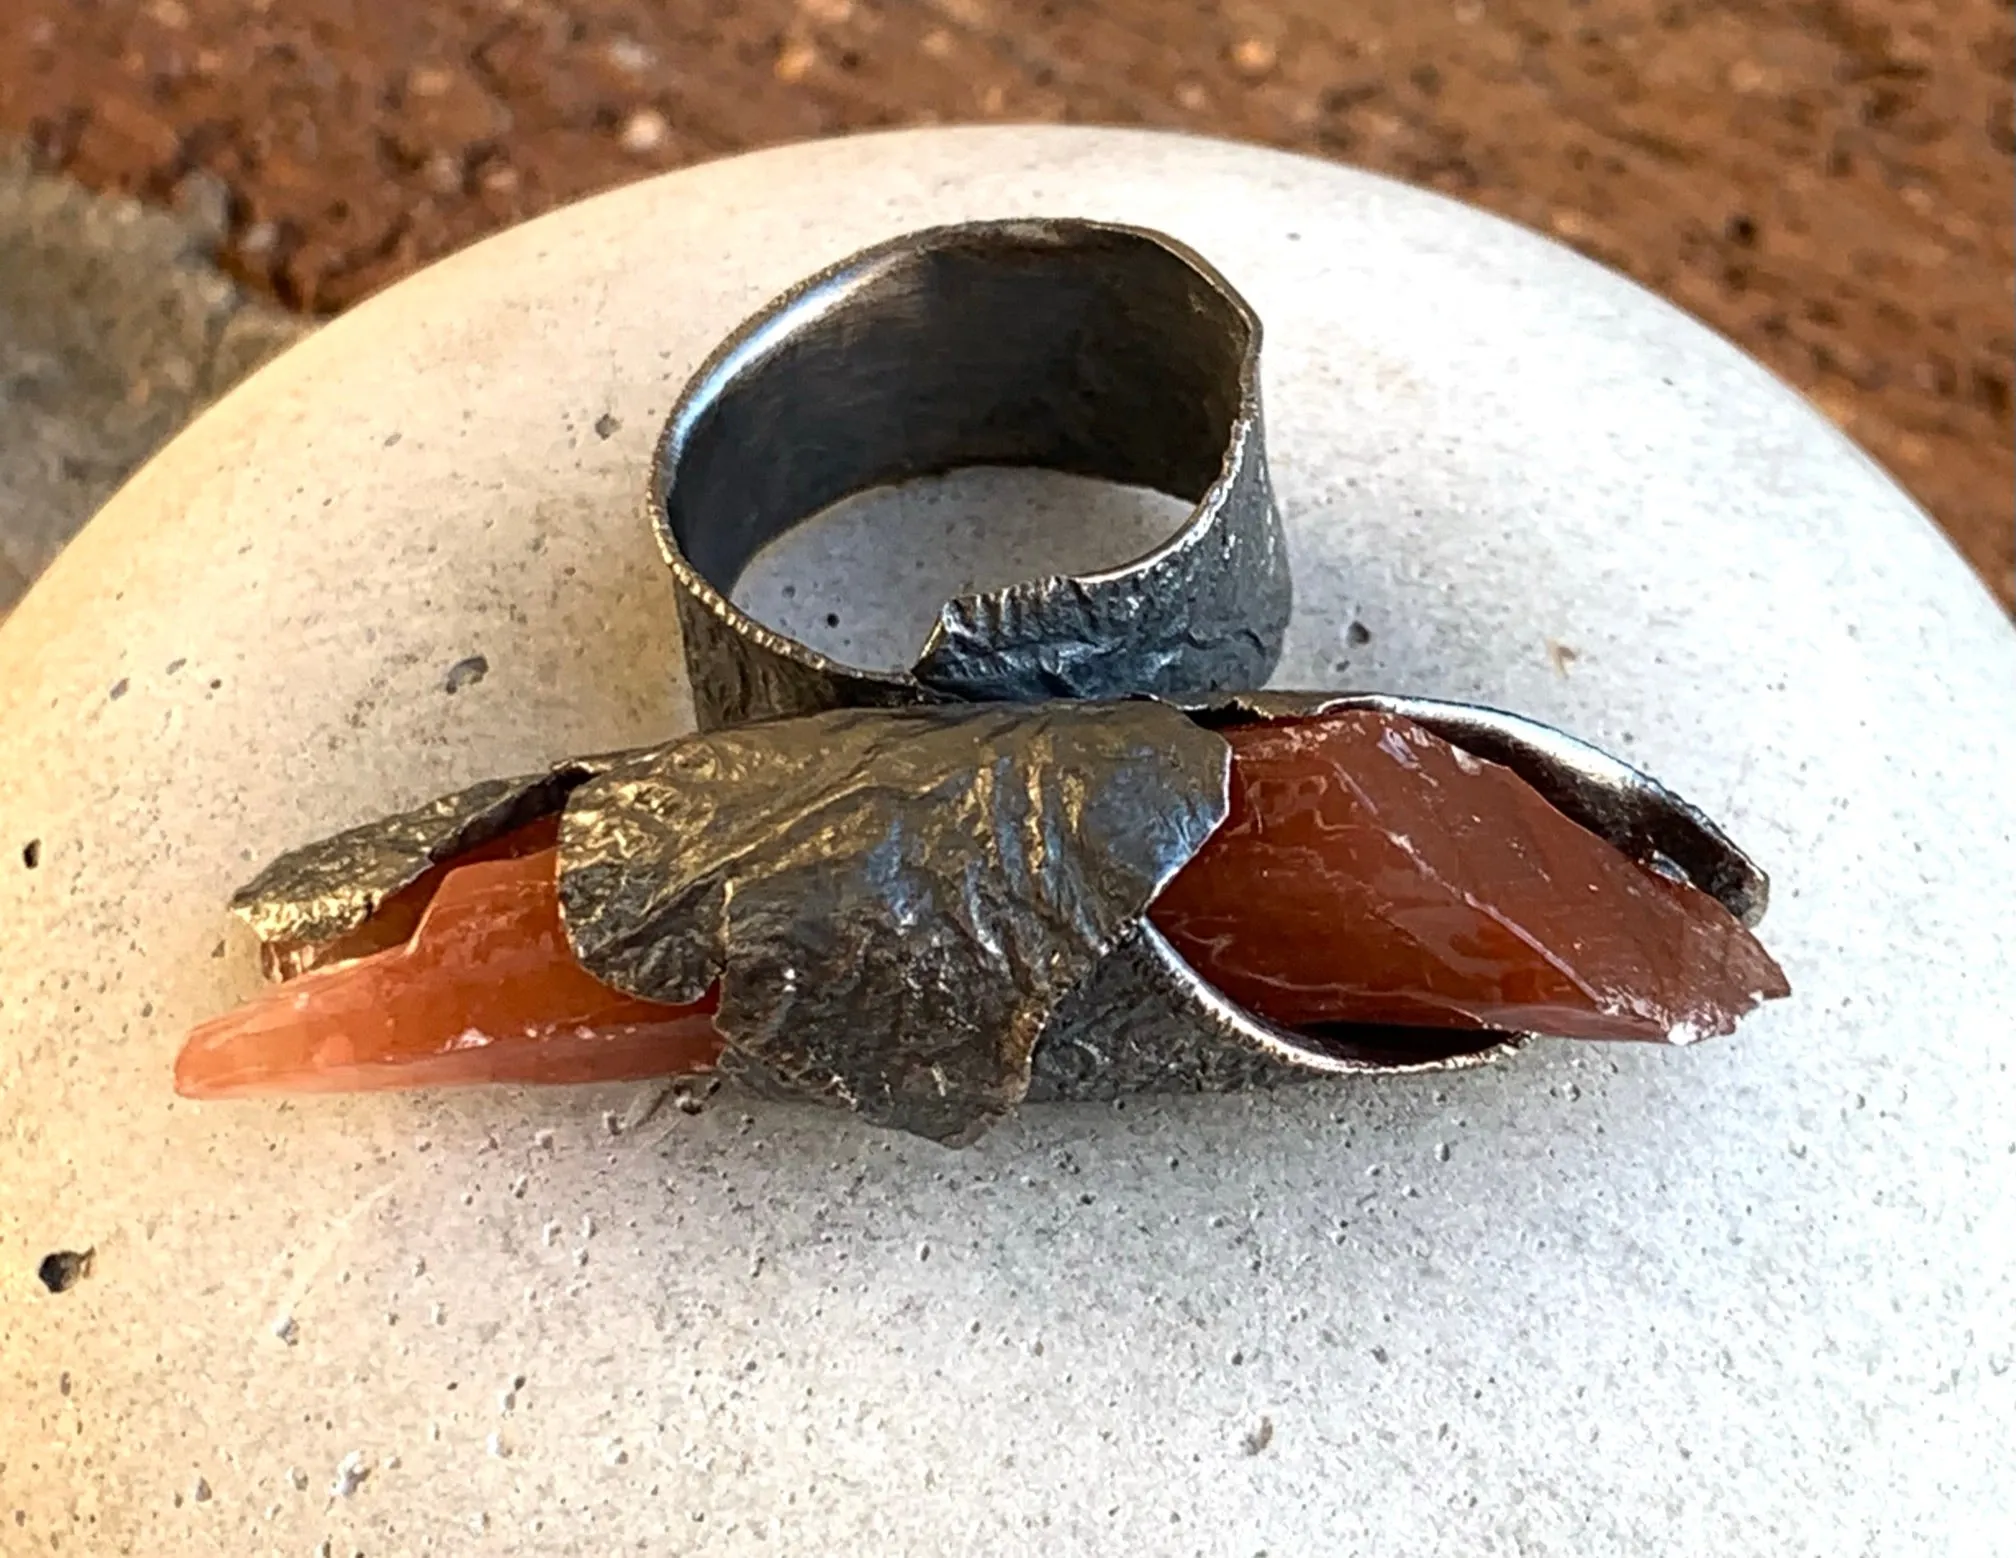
(186,185)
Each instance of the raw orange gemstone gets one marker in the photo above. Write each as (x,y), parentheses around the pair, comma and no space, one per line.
(486,990)
(398,917)
(1371,872)
(1368,872)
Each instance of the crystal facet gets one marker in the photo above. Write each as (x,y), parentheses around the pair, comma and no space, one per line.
(486,990)
(1370,872)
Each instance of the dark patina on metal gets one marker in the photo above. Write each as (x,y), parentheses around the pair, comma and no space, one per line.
(893,902)
(325,890)
(924,895)
(1145,1021)
(1085,347)
(929,915)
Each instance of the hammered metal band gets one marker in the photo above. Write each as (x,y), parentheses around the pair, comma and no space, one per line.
(1084,347)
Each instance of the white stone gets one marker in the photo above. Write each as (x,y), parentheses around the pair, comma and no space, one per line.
(1753,1297)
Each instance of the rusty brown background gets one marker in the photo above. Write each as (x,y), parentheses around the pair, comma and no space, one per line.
(1828,183)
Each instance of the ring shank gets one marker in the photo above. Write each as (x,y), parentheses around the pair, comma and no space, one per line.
(1081,347)
(1122,365)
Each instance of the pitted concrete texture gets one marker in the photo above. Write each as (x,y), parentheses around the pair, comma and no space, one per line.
(1829,185)
(115,329)
(1748,1299)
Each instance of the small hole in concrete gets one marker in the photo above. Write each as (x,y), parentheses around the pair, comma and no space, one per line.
(31,854)
(62,1270)
(467,673)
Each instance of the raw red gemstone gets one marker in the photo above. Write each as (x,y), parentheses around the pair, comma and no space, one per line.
(1371,872)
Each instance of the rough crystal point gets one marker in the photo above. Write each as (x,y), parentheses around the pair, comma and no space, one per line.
(486,990)
(1370,872)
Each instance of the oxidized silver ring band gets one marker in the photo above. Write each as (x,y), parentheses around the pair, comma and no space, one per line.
(859,886)
(1085,347)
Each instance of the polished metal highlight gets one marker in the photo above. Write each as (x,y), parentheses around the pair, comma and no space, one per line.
(1085,347)
(1145,1021)
(1629,809)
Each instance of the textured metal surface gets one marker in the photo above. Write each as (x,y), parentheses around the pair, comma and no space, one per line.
(924,910)
(893,902)
(328,888)
(1083,347)
(927,914)
(1613,800)
(1145,1022)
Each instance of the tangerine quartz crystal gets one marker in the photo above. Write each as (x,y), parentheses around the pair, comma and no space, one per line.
(486,990)
(1368,872)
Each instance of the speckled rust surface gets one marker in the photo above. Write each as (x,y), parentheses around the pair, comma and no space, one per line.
(1829,182)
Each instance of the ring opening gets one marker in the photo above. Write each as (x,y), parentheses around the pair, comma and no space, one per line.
(1090,350)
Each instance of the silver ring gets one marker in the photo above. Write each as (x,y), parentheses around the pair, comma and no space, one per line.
(1095,349)
(1099,350)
